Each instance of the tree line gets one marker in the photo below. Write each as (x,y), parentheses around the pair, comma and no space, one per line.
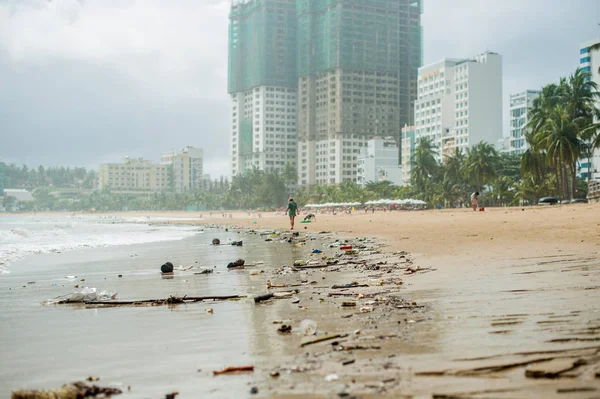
(60,177)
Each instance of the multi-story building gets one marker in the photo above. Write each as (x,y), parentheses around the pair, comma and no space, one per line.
(435,108)
(589,61)
(262,84)
(459,103)
(133,175)
(407,149)
(185,169)
(519,107)
(379,161)
(357,69)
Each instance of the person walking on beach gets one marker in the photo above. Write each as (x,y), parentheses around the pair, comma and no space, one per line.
(475,200)
(292,211)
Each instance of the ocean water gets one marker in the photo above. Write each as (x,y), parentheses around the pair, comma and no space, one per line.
(21,236)
(153,350)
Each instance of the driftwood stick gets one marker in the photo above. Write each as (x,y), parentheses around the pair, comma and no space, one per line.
(171,300)
(322,339)
(233,369)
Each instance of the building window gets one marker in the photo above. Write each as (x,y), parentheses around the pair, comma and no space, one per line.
(584,60)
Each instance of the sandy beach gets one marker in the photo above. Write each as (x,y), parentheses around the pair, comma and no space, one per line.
(504,305)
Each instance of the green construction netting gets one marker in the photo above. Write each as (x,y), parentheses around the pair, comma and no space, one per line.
(245,137)
(381,35)
(262,45)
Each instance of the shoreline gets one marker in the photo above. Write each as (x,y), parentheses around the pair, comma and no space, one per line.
(507,282)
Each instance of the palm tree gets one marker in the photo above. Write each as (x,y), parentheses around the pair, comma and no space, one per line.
(560,137)
(501,190)
(381,189)
(481,163)
(448,192)
(453,165)
(425,166)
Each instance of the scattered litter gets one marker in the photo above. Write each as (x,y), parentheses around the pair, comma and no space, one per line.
(253,390)
(233,369)
(353,284)
(216,241)
(284,294)
(348,304)
(316,251)
(285,329)
(323,339)
(237,263)
(271,285)
(347,362)
(167,268)
(209,310)
(73,390)
(262,298)
(255,272)
(171,395)
(332,377)
(308,327)
(205,271)
(295,299)
(172,300)
(237,243)
(366,309)
(87,295)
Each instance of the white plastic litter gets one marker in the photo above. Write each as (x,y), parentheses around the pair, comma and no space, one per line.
(332,377)
(308,327)
(88,294)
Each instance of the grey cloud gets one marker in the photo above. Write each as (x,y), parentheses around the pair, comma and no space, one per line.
(83,82)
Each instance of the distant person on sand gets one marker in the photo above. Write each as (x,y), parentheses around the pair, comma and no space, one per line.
(475,200)
(292,211)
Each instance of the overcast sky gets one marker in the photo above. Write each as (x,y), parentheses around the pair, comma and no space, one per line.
(90,81)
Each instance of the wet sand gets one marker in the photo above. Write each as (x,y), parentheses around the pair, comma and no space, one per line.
(514,293)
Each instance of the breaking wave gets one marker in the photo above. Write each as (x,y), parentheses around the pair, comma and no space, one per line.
(24,236)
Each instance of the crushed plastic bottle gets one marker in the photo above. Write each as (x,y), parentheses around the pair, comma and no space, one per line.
(308,327)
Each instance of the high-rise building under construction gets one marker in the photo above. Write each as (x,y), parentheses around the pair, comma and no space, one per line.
(357,73)
(263,83)
(320,77)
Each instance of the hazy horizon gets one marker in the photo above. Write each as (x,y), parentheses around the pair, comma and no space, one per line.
(85,82)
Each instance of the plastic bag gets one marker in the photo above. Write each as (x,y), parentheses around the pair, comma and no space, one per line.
(88,294)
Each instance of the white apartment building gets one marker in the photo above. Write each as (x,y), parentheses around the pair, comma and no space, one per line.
(459,102)
(185,169)
(435,104)
(519,106)
(379,161)
(133,175)
(407,145)
(263,129)
(590,62)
